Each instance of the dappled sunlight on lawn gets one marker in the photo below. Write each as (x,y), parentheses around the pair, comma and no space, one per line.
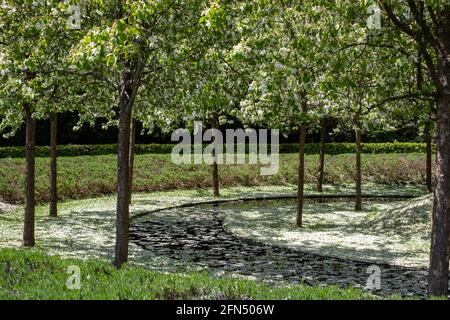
(335,229)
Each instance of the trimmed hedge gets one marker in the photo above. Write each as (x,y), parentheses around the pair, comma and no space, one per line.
(311,148)
(373,148)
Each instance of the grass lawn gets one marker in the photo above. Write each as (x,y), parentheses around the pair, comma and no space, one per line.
(92,176)
(33,275)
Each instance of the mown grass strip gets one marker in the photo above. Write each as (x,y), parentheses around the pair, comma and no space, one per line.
(31,275)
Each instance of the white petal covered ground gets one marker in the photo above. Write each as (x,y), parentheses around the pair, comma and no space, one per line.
(86,228)
(6,208)
(397,232)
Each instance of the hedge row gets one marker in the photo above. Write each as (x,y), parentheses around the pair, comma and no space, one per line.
(341,148)
(311,148)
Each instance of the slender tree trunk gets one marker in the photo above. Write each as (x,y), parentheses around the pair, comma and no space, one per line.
(123,161)
(127,97)
(427,133)
(358,202)
(28,229)
(132,153)
(440,236)
(429,178)
(53,165)
(123,187)
(301,175)
(215,166)
(323,132)
(439,255)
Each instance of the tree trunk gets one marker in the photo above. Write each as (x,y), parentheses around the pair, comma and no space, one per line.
(439,255)
(323,132)
(358,202)
(301,175)
(127,97)
(28,229)
(53,165)
(123,186)
(440,240)
(429,178)
(427,133)
(215,166)
(132,152)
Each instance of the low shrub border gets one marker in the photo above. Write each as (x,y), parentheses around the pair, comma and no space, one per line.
(311,148)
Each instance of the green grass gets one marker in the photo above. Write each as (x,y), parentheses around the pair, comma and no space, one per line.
(31,275)
(90,176)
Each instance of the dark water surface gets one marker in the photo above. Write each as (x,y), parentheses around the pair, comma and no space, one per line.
(196,235)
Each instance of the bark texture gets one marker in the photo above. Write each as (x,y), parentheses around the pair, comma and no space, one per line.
(53,165)
(215,166)
(323,132)
(358,175)
(440,241)
(428,142)
(28,229)
(132,154)
(129,88)
(439,255)
(301,175)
